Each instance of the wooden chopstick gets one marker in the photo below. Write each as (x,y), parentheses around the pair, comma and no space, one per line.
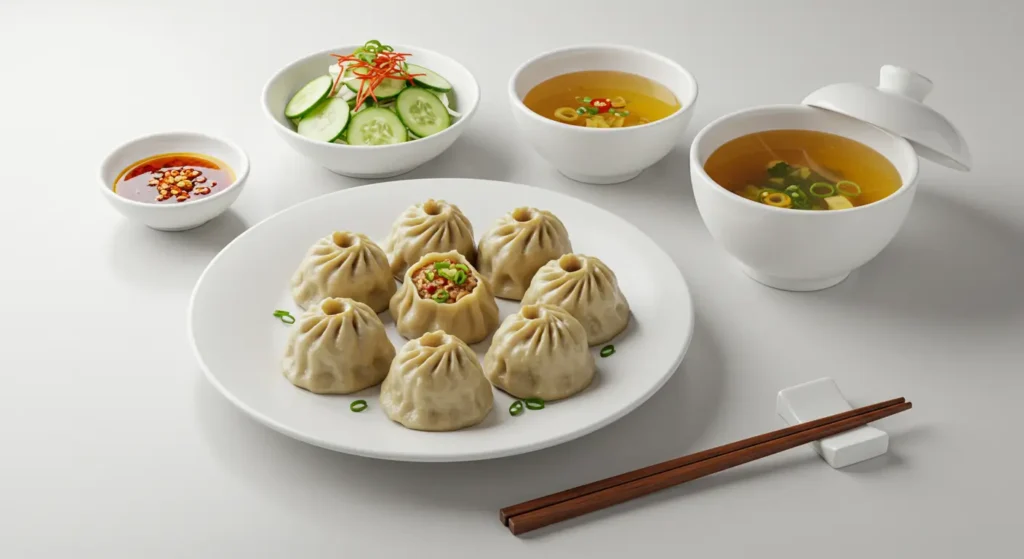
(571,503)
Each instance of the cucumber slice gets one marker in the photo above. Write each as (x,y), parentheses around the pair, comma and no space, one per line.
(430,79)
(374,126)
(327,121)
(307,97)
(386,90)
(422,112)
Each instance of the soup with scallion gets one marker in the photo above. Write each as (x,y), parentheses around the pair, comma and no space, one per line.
(601,99)
(803,170)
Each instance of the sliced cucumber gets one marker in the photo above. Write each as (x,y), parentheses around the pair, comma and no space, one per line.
(386,90)
(327,121)
(430,79)
(422,112)
(374,126)
(306,98)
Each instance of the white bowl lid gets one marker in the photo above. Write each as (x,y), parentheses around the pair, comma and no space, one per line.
(897,105)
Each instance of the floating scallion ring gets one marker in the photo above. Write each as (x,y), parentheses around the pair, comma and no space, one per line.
(852,188)
(822,189)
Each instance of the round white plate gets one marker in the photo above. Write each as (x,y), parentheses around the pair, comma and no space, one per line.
(239,343)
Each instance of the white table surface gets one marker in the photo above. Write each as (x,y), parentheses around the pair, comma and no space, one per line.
(112,444)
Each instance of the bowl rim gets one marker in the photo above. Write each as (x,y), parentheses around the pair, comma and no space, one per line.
(684,107)
(697,167)
(466,115)
(241,173)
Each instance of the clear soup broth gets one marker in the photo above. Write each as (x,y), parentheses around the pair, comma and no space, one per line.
(803,170)
(601,99)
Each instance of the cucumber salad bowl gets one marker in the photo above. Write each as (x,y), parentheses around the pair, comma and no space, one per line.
(371,110)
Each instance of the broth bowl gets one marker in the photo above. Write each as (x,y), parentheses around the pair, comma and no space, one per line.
(602,155)
(792,249)
(369,162)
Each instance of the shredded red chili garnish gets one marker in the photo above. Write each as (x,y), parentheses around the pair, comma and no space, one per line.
(385,66)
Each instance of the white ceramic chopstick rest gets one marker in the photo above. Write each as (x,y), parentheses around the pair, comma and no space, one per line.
(821,398)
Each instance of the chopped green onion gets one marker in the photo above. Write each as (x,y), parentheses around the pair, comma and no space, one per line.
(372,44)
(460,277)
(592,110)
(516,408)
(429,275)
(822,189)
(581,111)
(441,265)
(534,403)
(853,189)
(387,48)
(587,99)
(462,267)
(441,296)
(623,113)
(607,350)
(358,406)
(285,316)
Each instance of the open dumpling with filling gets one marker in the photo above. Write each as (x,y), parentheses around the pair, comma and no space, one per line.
(436,384)
(338,346)
(344,264)
(514,249)
(587,288)
(540,352)
(443,291)
(433,226)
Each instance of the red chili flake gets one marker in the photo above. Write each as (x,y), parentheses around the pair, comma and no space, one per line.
(431,288)
(602,105)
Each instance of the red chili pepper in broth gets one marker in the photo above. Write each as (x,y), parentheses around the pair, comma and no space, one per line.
(602,105)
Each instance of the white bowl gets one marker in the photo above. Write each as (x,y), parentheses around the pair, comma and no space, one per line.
(186,215)
(791,249)
(599,155)
(369,162)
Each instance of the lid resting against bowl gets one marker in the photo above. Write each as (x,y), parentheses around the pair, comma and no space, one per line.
(897,105)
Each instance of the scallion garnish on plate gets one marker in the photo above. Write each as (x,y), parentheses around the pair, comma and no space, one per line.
(358,406)
(285,316)
(607,350)
(516,408)
(534,403)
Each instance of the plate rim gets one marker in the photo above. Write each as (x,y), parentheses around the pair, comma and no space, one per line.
(465,456)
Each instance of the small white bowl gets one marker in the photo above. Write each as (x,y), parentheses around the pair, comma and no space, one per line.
(599,155)
(369,162)
(186,215)
(792,249)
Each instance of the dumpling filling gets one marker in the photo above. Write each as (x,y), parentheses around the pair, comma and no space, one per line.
(446,281)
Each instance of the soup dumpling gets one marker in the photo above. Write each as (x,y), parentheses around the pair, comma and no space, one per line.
(344,264)
(587,288)
(436,384)
(338,347)
(433,226)
(443,291)
(514,249)
(540,352)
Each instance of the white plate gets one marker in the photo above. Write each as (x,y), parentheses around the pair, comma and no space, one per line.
(240,344)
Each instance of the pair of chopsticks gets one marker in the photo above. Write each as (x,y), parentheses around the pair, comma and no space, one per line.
(598,495)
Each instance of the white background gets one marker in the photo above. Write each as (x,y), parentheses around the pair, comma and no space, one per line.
(113,445)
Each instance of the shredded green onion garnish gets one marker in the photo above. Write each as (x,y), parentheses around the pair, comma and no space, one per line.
(853,189)
(441,296)
(534,403)
(358,406)
(516,408)
(285,316)
(441,265)
(607,350)
(822,189)
(462,267)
